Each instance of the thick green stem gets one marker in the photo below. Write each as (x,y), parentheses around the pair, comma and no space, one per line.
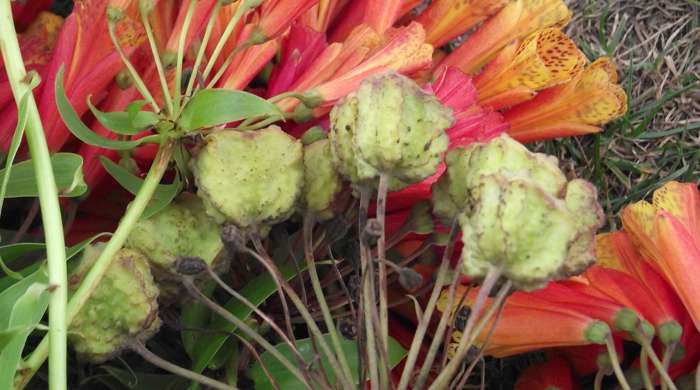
(93,278)
(320,296)
(48,199)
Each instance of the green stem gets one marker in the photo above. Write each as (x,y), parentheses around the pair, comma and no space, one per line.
(320,296)
(158,61)
(202,48)
(445,377)
(615,362)
(240,10)
(367,296)
(382,192)
(138,81)
(422,328)
(654,359)
(644,370)
(94,276)
(598,381)
(48,199)
(181,53)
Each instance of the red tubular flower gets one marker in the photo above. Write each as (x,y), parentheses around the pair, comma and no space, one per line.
(554,374)
(516,20)
(577,107)
(277,15)
(525,324)
(445,20)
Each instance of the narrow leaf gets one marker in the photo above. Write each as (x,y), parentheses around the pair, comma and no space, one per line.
(213,107)
(162,197)
(256,291)
(79,129)
(26,313)
(123,122)
(67,169)
(287,381)
(14,145)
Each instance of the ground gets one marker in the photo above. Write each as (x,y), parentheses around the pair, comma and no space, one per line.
(656,45)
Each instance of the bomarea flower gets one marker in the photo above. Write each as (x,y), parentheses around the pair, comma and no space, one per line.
(525,324)
(577,107)
(518,213)
(516,20)
(445,20)
(251,179)
(123,307)
(388,127)
(667,233)
(544,59)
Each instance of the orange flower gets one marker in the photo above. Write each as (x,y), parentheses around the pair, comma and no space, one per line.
(577,107)
(667,231)
(516,20)
(555,373)
(544,59)
(277,15)
(526,325)
(445,20)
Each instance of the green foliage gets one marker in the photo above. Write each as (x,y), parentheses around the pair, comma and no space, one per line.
(128,122)
(68,172)
(287,381)
(213,107)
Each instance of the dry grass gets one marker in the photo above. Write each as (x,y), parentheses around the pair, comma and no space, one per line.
(656,45)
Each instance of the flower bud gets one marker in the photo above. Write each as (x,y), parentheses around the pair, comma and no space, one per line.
(250,179)
(389,126)
(181,229)
(122,308)
(321,181)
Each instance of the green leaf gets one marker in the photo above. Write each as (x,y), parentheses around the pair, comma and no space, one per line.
(287,381)
(212,107)
(15,252)
(162,197)
(256,291)
(80,130)
(125,122)
(67,169)
(22,116)
(26,312)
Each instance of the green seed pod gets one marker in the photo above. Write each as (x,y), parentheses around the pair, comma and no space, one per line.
(503,155)
(516,226)
(250,179)
(321,181)
(183,228)
(389,126)
(123,307)
(582,199)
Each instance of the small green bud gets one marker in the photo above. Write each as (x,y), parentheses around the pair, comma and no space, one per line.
(122,308)
(250,179)
(670,332)
(181,229)
(421,222)
(626,320)
(597,332)
(389,126)
(146,6)
(302,114)
(169,59)
(114,14)
(312,135)
(603,361)
(321,181)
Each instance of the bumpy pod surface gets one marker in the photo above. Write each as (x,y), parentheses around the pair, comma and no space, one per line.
(503,155)
(321,180)
(389,126)
(183,228)
(250,179)
(517,212)
(123,307)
